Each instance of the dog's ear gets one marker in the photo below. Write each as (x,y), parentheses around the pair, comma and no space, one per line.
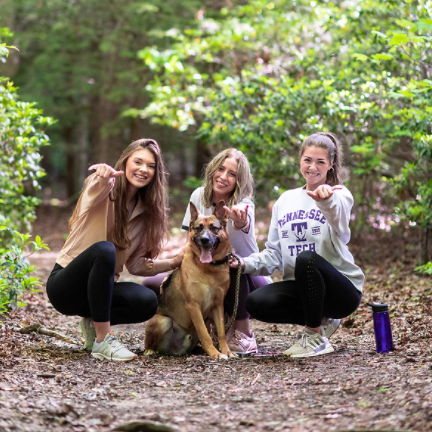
(194,212)
(220,212)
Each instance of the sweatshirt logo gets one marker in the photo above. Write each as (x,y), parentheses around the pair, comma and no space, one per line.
(313,214)
(300,231)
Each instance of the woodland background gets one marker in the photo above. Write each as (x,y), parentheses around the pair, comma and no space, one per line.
(79,80)
(199,76)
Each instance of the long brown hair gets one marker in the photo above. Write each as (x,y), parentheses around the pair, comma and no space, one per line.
(332,146)
(244,187)
(153,196)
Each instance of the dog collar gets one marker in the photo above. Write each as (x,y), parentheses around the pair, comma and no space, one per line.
(220,262)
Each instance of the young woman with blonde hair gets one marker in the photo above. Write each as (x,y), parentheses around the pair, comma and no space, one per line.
(120,219)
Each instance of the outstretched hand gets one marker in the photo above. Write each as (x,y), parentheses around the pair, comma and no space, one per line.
(105,171)
(322,192)
(239,215)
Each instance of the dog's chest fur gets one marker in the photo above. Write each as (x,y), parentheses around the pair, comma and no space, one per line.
(210,283)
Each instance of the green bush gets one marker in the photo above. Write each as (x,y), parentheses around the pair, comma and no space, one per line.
(16,271)
(21,138)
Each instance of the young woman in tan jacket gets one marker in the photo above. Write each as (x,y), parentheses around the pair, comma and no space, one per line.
(120,219)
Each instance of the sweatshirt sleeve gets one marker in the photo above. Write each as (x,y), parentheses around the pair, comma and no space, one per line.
(269,260)
(96,190)
(337,211)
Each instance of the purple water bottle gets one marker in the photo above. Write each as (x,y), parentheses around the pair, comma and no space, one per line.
(381,319)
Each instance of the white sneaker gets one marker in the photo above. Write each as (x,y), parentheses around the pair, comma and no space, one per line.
(295,347)
(89,332)
(329,326)
(110,348)
(309,344)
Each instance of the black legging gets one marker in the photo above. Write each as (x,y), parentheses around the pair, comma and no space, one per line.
(319,290)
(86,287)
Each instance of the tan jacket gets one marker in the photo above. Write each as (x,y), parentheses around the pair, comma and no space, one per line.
(96,219)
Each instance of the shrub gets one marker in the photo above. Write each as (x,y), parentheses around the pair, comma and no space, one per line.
(21,138)
(16,270)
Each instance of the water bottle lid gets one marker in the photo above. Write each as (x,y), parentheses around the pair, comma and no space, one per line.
(378,306)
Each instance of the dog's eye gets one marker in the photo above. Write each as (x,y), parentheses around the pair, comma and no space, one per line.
(214,228)
(199,228)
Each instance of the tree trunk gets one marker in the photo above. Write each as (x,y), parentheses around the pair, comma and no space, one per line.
(203,156)
(109,144)
(82,133)
(71,183)
(427,245)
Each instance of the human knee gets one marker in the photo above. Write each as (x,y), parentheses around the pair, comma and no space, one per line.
(305,259)
(105,247)
(253,305)
(145,305)
(106,251)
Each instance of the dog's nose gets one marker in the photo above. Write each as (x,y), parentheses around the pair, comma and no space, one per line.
(204,240)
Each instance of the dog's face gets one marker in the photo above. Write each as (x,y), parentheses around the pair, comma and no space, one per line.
(208,232)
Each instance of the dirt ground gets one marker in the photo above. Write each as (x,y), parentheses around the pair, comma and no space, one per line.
(50,385)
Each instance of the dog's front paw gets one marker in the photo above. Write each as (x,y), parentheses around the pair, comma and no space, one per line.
(232,355)
(223,357)
(149,352)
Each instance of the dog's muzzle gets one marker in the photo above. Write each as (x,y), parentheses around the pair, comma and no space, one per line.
(207,244)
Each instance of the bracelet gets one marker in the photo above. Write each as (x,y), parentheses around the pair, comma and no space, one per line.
(237,228)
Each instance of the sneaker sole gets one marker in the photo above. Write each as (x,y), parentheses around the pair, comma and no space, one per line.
(314,354)
(104,357)
(245,352)
(287,353)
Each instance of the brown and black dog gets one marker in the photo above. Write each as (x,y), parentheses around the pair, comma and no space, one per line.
(194,290)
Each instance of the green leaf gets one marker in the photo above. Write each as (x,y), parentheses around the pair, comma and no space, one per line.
(404,23)
(424,24)
(381,35)
(360,57)
(407,93)
(382,56)
(399,39)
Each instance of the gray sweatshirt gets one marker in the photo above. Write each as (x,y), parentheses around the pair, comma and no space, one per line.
(300,223)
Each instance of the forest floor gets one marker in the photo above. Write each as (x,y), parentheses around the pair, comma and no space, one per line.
(50,385)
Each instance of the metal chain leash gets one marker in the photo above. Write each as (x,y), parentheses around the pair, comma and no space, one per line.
(237,292)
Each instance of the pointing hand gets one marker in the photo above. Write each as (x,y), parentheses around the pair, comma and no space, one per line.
(323,192)
(239,214)
(105,171)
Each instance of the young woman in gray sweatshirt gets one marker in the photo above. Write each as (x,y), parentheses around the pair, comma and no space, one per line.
(307,239)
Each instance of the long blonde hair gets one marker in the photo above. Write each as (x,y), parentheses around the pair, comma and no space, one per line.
(153,196)
(244,187)
(332,146)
